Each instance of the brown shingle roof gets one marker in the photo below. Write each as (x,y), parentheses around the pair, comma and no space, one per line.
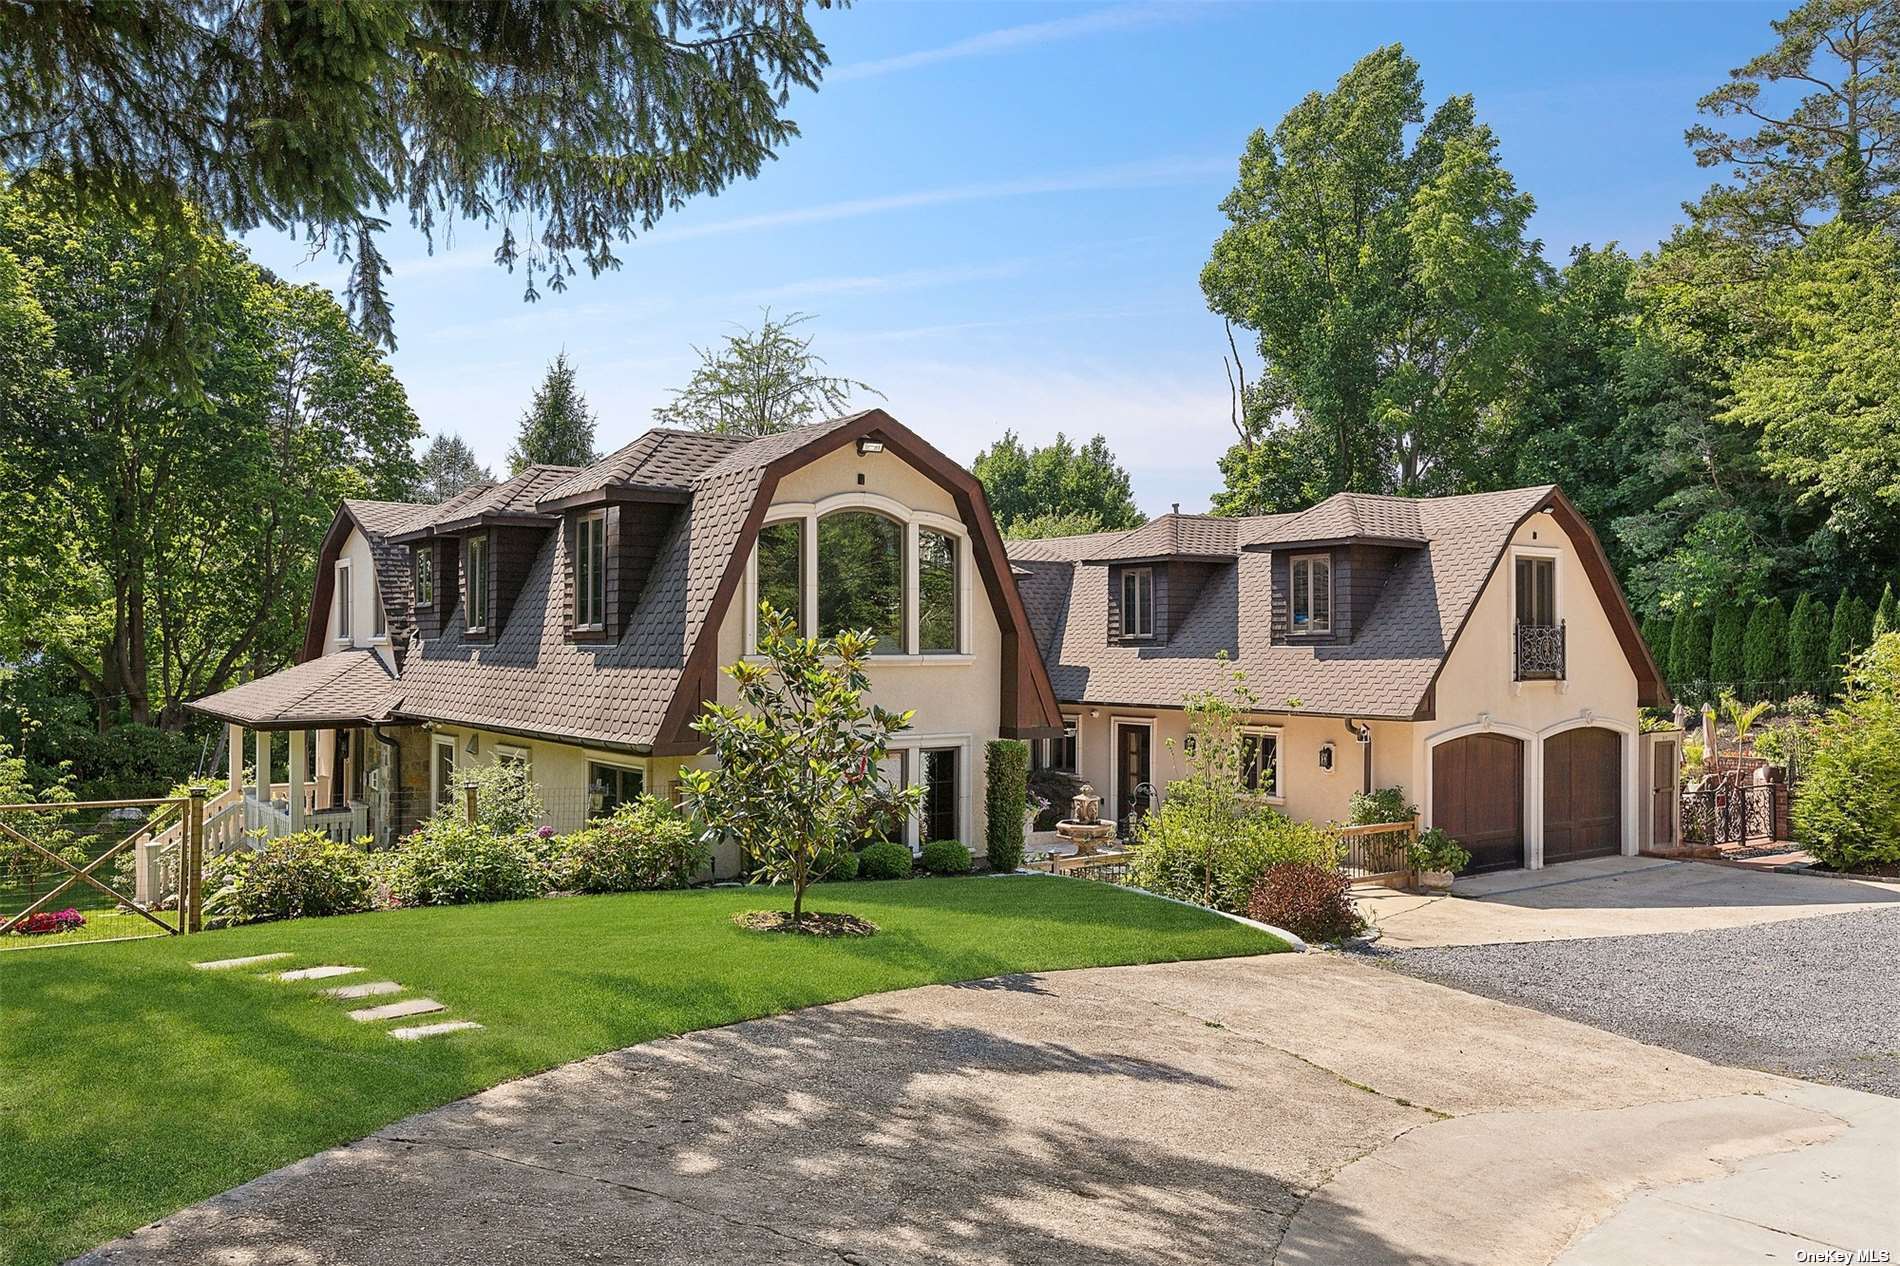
(1384,672)
(660,458)
(1174,536)
(349,687)
(1343,516)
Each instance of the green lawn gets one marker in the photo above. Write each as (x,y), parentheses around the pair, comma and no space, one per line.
(132,1085)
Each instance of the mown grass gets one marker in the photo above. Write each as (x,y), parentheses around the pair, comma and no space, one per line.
(135,1085)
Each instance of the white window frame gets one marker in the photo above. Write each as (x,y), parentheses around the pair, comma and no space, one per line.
(1278,794)
(913,766)
(590,572)
(378,619)
(343,606)
(1292,597)
(912,519)
(477,592)
(436,744)
(517,754)
(1132,610)
(424,564)
(623,764)
(1069,721)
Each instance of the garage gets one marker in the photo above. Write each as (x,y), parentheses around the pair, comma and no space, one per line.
(1478,798)
(1583,794)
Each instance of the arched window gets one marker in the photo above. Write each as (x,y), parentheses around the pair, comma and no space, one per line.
(782,568)
(861,577)
(938,628)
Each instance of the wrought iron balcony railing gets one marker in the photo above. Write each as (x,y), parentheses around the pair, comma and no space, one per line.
(1540,652)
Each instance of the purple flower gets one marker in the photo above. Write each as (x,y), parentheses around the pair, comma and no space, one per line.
(545,833)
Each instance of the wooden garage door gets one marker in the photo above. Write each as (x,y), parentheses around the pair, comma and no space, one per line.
(1583,794)
(1478,798)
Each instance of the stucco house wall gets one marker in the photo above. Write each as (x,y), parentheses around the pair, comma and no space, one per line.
(363,596)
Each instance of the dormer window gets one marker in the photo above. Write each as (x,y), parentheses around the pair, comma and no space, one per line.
(345,629)
(425,577)
(1312,596)
(590,571)
(1138,602)
(476,567)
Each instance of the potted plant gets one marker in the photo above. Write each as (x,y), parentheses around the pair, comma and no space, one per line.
(1438,857)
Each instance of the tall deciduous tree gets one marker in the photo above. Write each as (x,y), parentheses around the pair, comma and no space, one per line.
(558,428)
(1380,258)
(448,466)
(760,382)
(1085,485)
(176,527)
(1832,151)
(570,126)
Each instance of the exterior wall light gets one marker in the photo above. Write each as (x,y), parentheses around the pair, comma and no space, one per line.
(870,446)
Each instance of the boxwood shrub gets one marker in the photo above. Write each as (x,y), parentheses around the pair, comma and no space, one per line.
(949,857)
(887,860)
(1005,798)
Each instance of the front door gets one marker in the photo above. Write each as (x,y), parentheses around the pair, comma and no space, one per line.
(1134,773)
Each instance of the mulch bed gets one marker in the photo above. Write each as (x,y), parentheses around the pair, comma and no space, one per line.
(811,923)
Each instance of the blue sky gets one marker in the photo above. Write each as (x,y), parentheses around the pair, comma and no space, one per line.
(999,212)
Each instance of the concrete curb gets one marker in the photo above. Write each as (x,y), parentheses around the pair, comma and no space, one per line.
(1298,946)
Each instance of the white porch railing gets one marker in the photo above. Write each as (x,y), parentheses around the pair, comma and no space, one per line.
(235,820)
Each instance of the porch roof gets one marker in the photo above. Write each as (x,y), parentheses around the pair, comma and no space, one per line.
(347,688)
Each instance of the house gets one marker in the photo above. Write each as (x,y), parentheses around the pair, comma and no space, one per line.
(1473,650)
(575,620)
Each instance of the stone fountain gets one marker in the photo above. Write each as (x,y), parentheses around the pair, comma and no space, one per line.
(1084,826)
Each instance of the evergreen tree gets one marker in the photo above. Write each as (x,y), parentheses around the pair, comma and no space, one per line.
(1885,615)
(558,428)
(1725,646)
(449,467)
(1672,663)
(1808,628)
(1696,634)
(1658,630)
(1849,633)
(1765,648)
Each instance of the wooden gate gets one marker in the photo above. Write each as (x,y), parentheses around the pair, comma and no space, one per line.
(20,823)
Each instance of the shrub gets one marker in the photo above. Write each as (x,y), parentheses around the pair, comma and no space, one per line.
(1848,812)
(506,800)
(1312,902)
(1057,790)
(838,865)
(646,844)
(885,860)
(1692,649)
(1006,799)
(949,857)
(1725,644)
(1181,854)
(450,862)
(1848,634)
(1387,804)
(301,876)
(1434,850)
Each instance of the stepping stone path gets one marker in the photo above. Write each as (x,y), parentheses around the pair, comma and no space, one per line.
(397,1010)
(418,1032)
(374,989)
(225,964)
(317,973)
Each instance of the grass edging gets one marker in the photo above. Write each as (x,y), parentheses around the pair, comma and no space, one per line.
(1294,943)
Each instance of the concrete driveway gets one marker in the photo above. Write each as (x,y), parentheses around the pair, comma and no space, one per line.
(1294,1109)
(1610,896)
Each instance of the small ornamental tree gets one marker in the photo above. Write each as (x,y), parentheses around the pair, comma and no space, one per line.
(798,757)
(1005,800)
(1214,797)
(1765,648)
(1807,644)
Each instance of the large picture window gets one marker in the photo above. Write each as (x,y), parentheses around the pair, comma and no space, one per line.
(590,571)
(938,628)
(1312,583)
(861,577)
(610,786)
(940,795)
(1138,602)
(477,569)
(782,568)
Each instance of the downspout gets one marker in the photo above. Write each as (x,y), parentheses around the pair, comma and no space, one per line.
(1362,734)
(395,752)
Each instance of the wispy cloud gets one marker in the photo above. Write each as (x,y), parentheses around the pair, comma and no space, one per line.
(1011,38)
(886,283)
(1156,173)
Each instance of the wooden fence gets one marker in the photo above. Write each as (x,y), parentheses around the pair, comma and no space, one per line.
(1380,853)
(38,840)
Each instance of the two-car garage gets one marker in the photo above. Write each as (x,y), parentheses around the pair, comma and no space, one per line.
(1479,790)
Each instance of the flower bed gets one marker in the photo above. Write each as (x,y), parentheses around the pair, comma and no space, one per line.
(48,922)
